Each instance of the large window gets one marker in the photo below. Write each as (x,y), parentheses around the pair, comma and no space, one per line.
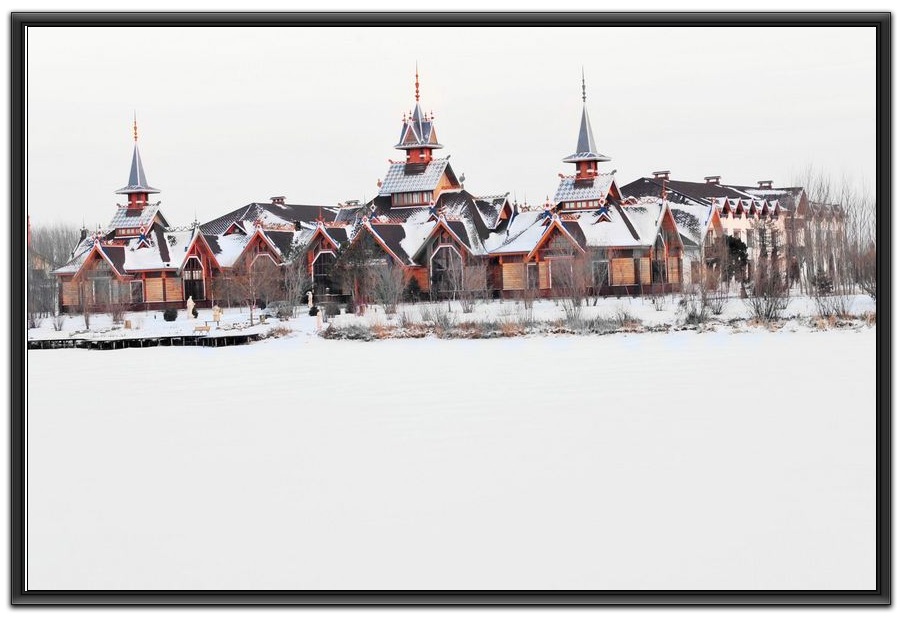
(193,278)
(322,274)
(447,268)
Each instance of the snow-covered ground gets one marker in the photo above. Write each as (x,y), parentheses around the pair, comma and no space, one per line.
(673,460)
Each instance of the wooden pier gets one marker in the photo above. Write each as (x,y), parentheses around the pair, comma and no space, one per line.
(184,340)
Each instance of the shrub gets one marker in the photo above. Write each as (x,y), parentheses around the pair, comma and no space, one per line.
(194,312)
(717,299)
(412,292)
(821,283)
(695,306)
(170,314)
(511,327)
(832,306)
(626,320)
(473,329)
(441,320)
(768,298)
(277,332)
(354,331)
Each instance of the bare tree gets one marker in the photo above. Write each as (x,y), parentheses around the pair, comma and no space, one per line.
(54,242)
(571,279)
(256,282)
(769,293)
(387,284)
(474,285)
(49,246)
(838,236)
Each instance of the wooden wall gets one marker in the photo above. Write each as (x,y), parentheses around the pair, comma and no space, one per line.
(513,276)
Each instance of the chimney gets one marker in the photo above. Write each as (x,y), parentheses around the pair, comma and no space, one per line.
(765,184)
(662,175)
(712,179)
(278,200)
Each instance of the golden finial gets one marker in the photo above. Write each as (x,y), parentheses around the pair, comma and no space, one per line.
(417,83)
(135,127)
(584,84)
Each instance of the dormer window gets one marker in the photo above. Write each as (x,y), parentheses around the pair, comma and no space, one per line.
(418,198)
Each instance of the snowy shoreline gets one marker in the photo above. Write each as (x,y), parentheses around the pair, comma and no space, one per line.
(446,320)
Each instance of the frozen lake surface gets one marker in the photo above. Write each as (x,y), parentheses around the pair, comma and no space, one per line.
(653,461)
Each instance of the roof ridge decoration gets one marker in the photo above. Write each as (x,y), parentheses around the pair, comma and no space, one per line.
(585,141)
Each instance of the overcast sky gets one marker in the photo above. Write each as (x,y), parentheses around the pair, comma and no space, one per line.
(230,116)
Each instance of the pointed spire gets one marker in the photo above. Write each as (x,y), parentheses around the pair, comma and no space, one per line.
(585,141)
(137,181)
(418,130)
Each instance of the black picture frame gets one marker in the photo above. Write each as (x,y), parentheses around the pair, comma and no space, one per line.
(19,22)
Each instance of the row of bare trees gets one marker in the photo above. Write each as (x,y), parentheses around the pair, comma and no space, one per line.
(839,252)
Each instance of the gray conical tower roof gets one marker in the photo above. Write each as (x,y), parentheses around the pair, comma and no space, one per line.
(585,143)
(137,181)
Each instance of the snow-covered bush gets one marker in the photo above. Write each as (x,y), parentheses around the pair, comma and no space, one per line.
(440,319)
(624,319)
(695,307)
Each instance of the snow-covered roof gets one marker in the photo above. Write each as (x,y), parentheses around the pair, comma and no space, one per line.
(229,248)
(405,178)
(615,232)
(690,222)
(130,218)
(571,189)
(271,215)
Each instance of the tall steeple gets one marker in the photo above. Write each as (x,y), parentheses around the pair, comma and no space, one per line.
(137,188)
(586,156)
(418,131)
